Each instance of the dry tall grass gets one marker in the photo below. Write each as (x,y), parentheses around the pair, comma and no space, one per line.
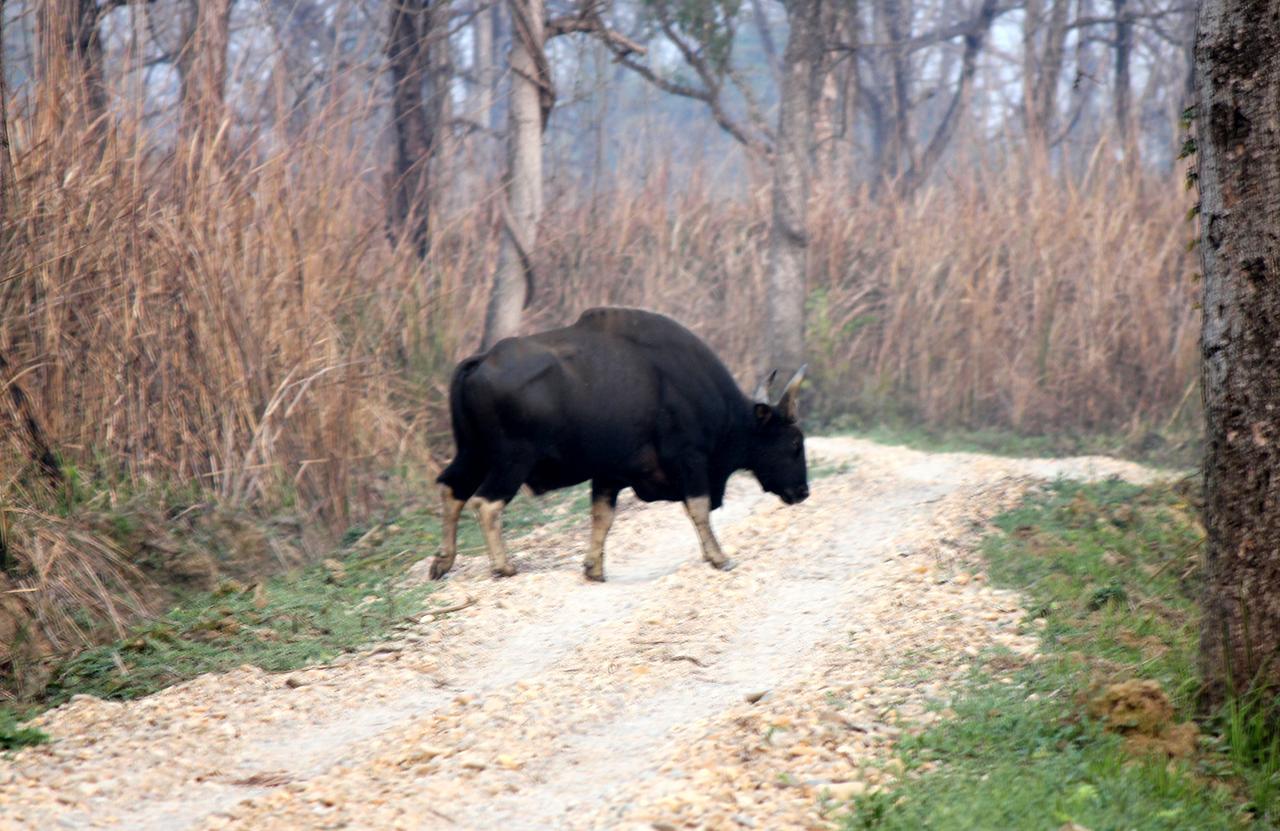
(1012,299)
(230,313)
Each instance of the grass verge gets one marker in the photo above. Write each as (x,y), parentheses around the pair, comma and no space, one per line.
(1110,572)
(1169,450)
(297,618)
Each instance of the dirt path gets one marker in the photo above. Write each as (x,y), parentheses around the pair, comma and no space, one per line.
(552,703)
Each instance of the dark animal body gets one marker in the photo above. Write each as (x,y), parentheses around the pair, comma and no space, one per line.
(623,398)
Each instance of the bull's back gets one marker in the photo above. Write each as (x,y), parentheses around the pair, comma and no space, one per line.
(570,396)
(603,397)
(682,359)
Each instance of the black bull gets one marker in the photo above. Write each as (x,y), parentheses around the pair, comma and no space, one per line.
(624,398)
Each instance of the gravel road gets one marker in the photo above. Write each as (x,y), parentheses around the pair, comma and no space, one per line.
(672,696)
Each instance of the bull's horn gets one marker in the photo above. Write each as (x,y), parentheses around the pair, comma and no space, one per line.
(788,404)
(762,389)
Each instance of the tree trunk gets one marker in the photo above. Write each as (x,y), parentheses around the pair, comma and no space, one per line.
(203,69)
(1238,81)
(530,105)
(408,182)
(71,57)
(484,66)
(896,22)
(788,234)
(973,41)
(1042,69)
(438,53)
(6,156)
(1123,49)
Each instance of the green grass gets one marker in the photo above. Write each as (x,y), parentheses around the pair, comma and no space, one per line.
(1153,448)
(288,621)
(14,736)
(1112,570)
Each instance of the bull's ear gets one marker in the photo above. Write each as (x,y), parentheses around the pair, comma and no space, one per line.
(762,388)
(763,413)
(788,404)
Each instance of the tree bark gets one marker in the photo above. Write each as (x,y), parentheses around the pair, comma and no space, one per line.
(6,156)
(409,181)
(438,51)
(484,80)
(1122,93)
(896,22)
(1238,142)
(788,234)
(530,105)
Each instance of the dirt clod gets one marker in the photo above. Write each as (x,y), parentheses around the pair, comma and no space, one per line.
(1140,711)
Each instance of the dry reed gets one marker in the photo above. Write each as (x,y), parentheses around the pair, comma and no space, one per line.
(229,312)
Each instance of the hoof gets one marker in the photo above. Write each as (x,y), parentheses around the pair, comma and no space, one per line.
(725,565)
(508,571)
(438,568)
(593,576)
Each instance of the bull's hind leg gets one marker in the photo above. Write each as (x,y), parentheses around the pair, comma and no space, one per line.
(497,489)
(457,483)
(699,510)
(604,501)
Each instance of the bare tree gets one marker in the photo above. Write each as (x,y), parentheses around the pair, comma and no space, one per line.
(802,65)
(1044,37)
(1238,80)
(409,180)
(974,37)
(532,97)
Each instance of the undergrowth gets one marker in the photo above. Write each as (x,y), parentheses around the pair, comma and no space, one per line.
(1110,571)
(300,617)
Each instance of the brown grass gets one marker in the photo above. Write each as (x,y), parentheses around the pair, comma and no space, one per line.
(228,312)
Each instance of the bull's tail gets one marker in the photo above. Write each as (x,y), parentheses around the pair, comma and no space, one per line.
(458,415)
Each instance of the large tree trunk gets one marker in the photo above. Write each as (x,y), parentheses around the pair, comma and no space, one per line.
(530,105)
(788,235)
(484,72)
(408,182)
(1238,80)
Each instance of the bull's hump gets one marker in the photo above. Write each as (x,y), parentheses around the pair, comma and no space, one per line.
(624,318)
(639,326)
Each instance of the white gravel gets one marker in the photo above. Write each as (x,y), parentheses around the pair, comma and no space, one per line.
(553,703)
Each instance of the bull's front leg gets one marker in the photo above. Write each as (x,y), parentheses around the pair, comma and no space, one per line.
(699,510)
(604,502)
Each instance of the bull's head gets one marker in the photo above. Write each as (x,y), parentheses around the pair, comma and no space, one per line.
(777,445)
